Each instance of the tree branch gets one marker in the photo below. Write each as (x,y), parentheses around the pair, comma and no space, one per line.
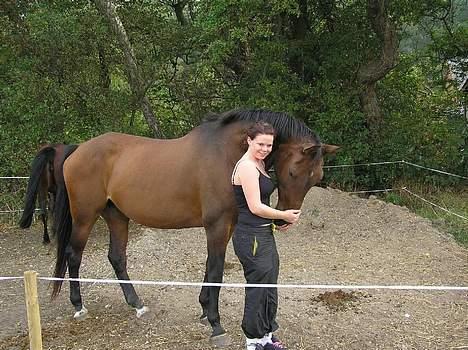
(108,10)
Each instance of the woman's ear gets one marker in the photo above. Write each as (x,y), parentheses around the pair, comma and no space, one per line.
(249,140)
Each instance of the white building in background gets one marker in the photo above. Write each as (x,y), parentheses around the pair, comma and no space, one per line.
(464,88)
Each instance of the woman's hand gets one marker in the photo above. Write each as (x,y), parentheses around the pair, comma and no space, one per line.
(291,215)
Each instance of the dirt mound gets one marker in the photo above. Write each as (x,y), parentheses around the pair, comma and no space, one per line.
(337,300)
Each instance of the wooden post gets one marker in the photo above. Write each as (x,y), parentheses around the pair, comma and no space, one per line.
(32,306)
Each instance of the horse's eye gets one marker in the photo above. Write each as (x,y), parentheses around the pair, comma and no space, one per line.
(291,173)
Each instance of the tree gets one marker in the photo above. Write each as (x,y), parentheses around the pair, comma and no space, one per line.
(378,66)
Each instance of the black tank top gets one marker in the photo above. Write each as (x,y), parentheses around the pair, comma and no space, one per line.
(246,217)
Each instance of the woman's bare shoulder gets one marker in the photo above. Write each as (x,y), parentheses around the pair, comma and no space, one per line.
(247,171)
(247,164)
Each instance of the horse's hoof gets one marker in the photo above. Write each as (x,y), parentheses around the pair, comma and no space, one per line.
(220,341)
(204,321)
(81,315)
(140,312)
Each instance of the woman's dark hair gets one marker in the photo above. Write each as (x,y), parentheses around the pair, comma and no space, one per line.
(260,128)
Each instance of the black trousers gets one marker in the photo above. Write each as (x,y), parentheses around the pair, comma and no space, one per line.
(256,249)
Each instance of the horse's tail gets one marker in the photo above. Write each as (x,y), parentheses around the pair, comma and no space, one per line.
(62,227)
(43,157)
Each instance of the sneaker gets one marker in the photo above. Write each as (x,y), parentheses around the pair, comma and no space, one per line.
(255,346)
(275,344)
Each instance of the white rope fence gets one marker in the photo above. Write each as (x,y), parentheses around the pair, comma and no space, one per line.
(253,285)
(11,211)
(14,177)
(15,211)
(30,279)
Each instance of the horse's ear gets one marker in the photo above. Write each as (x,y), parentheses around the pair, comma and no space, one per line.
(310,148)
(329,149)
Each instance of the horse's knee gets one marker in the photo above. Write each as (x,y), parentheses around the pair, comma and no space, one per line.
(216,268)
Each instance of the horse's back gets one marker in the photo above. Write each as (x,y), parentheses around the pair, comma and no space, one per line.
(100,153)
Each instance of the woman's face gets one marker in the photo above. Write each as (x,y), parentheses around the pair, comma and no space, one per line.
(261,145)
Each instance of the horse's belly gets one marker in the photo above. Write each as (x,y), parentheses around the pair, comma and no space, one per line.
(161,214)
(168,222)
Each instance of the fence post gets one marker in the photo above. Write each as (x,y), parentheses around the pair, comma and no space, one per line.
(32,306)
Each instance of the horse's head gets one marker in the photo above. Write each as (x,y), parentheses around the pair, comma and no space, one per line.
(298,167)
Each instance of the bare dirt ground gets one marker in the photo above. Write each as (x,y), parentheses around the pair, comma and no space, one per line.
(340,240)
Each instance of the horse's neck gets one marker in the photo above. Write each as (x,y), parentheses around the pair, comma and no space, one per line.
(236,143)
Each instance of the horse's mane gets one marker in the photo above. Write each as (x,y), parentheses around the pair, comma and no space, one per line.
(285,126)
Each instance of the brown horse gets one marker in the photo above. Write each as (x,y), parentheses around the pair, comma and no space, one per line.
(175,183)
(46,171)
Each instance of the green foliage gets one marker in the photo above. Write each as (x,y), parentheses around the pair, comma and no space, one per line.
(424,126)
(64,76)
(52,89)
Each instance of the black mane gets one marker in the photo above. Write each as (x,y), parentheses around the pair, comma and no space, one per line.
(286,127)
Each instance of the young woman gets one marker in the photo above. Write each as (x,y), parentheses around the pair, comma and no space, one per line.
(253,240)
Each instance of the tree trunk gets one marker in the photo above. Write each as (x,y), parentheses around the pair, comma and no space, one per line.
(104,73)
(179,11)
(108,10)
(377,68)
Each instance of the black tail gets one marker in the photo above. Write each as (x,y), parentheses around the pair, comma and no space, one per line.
(43,157)
(62,227)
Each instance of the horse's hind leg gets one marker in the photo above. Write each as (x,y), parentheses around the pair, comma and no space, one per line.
(74,252)
(118,227)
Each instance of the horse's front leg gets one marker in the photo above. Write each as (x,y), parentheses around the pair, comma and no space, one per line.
(217,238)
(118,228)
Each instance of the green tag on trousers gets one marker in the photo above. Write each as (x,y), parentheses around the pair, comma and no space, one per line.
(255,246)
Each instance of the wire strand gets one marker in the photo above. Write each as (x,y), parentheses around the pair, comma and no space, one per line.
(433,204)
(375,191)
(434,170)
(361,164)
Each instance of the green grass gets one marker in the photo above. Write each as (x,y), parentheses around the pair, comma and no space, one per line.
(454,200)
